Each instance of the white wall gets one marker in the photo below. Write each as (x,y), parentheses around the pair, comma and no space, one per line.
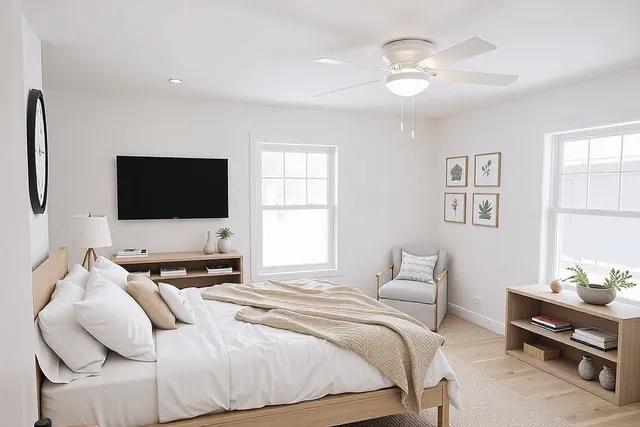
(17,370)
(31,51)
(485,261)
(385,190)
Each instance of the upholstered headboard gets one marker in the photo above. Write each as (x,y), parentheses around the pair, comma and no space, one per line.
(43,282)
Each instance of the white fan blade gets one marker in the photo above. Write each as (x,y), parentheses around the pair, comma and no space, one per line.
(456,53)
(473,77)
(332,61)
(347,88)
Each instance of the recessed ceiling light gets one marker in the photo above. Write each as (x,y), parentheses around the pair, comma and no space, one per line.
(175,81)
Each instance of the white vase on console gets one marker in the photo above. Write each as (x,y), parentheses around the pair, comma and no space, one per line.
(224,245)
(210,246)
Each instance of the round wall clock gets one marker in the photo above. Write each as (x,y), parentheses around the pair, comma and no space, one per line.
(37,151)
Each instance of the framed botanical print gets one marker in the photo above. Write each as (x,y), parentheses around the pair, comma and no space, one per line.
(457,171)
(487,170)
(455,207)
(486,209)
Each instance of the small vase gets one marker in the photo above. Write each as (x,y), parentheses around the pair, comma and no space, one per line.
(586,369)
(224,245)
(607,378)
(210,246)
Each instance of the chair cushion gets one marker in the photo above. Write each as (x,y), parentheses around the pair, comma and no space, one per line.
(417,268)
(419,250)
(409,290)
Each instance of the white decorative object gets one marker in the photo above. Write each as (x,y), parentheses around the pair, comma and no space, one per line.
(417,268)
(224,239)
(177,302)
(455,207)
(556,286)
(586,369)
(485,209)
(457,171)
(91,231)
(116,320)
(607,378)
(210,245)
(487,170)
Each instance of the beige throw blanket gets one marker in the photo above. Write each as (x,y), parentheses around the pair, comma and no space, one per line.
(395,343)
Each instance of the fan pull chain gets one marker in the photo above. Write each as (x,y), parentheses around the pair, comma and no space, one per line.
(402,114)
(413,117)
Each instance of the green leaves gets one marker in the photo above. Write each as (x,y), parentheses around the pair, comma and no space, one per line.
(224,232)
(484,210)
(579,276)
(456,173)
(619,280)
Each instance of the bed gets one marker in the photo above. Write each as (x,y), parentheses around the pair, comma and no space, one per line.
(238,380)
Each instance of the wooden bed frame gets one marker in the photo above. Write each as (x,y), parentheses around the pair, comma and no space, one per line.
(329,410)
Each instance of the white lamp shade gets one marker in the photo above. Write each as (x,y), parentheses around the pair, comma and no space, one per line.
(91,231)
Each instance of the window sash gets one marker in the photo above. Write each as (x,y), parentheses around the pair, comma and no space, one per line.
(556,209)
(258,270)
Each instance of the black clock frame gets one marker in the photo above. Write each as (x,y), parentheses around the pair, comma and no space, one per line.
(35,95)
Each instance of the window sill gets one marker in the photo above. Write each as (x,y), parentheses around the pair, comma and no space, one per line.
(313,274)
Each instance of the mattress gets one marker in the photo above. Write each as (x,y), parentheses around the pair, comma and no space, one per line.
(265,366)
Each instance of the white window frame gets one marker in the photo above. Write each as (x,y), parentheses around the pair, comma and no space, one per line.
(555,208)
(328,269)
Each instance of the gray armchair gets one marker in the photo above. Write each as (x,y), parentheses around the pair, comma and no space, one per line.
(426,302)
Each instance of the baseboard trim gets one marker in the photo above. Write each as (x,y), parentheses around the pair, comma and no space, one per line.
(476,318)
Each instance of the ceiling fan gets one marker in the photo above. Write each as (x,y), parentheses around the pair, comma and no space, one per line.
(413,64)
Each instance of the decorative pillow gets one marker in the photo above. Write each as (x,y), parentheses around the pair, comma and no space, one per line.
(110,271)
(116,320)
(50,364)
(77,348)
(417,268)
(147,295)
(177,302)
(78,275)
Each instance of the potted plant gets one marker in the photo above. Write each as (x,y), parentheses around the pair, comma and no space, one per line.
(224,239)
(596,294)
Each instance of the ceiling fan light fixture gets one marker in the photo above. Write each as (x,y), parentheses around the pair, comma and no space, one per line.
(407,83)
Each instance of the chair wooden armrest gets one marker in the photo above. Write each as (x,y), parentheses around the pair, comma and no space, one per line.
(441,276)
(379,275)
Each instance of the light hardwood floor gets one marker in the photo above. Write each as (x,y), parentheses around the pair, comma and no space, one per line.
(485,350)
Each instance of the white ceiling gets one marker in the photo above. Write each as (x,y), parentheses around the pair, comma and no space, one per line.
(261,50)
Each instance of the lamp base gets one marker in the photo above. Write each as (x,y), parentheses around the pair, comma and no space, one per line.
(89,257)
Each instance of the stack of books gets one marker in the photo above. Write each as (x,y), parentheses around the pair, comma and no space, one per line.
(551,323)
(132,253)
(597,338)
(173,271)
(219,269)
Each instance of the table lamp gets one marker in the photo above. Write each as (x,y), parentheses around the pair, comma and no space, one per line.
(91,231)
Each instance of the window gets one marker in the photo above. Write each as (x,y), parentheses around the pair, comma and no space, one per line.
(294,209)
(595,208)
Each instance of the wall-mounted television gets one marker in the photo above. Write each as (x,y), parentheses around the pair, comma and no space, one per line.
(172,187)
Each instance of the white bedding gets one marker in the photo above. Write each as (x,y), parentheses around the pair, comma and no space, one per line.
(219,364)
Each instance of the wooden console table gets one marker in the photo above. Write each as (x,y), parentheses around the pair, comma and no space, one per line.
(623,319)
(193,262)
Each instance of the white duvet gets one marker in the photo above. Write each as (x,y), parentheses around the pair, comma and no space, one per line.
(221,363)
(215,365)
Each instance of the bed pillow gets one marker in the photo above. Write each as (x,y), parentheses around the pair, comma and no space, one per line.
(78,349)
(417,268)
(110,271)
(146,293)
(116,320)
(77,275)
(177,302)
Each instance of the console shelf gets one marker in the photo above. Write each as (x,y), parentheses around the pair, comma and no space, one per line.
(193,262)
(623,319)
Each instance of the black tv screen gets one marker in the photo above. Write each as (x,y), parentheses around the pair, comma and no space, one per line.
(170,187)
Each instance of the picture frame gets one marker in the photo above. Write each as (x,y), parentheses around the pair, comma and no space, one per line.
(456,171)
(455,208)
(487,169)
(485,209)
